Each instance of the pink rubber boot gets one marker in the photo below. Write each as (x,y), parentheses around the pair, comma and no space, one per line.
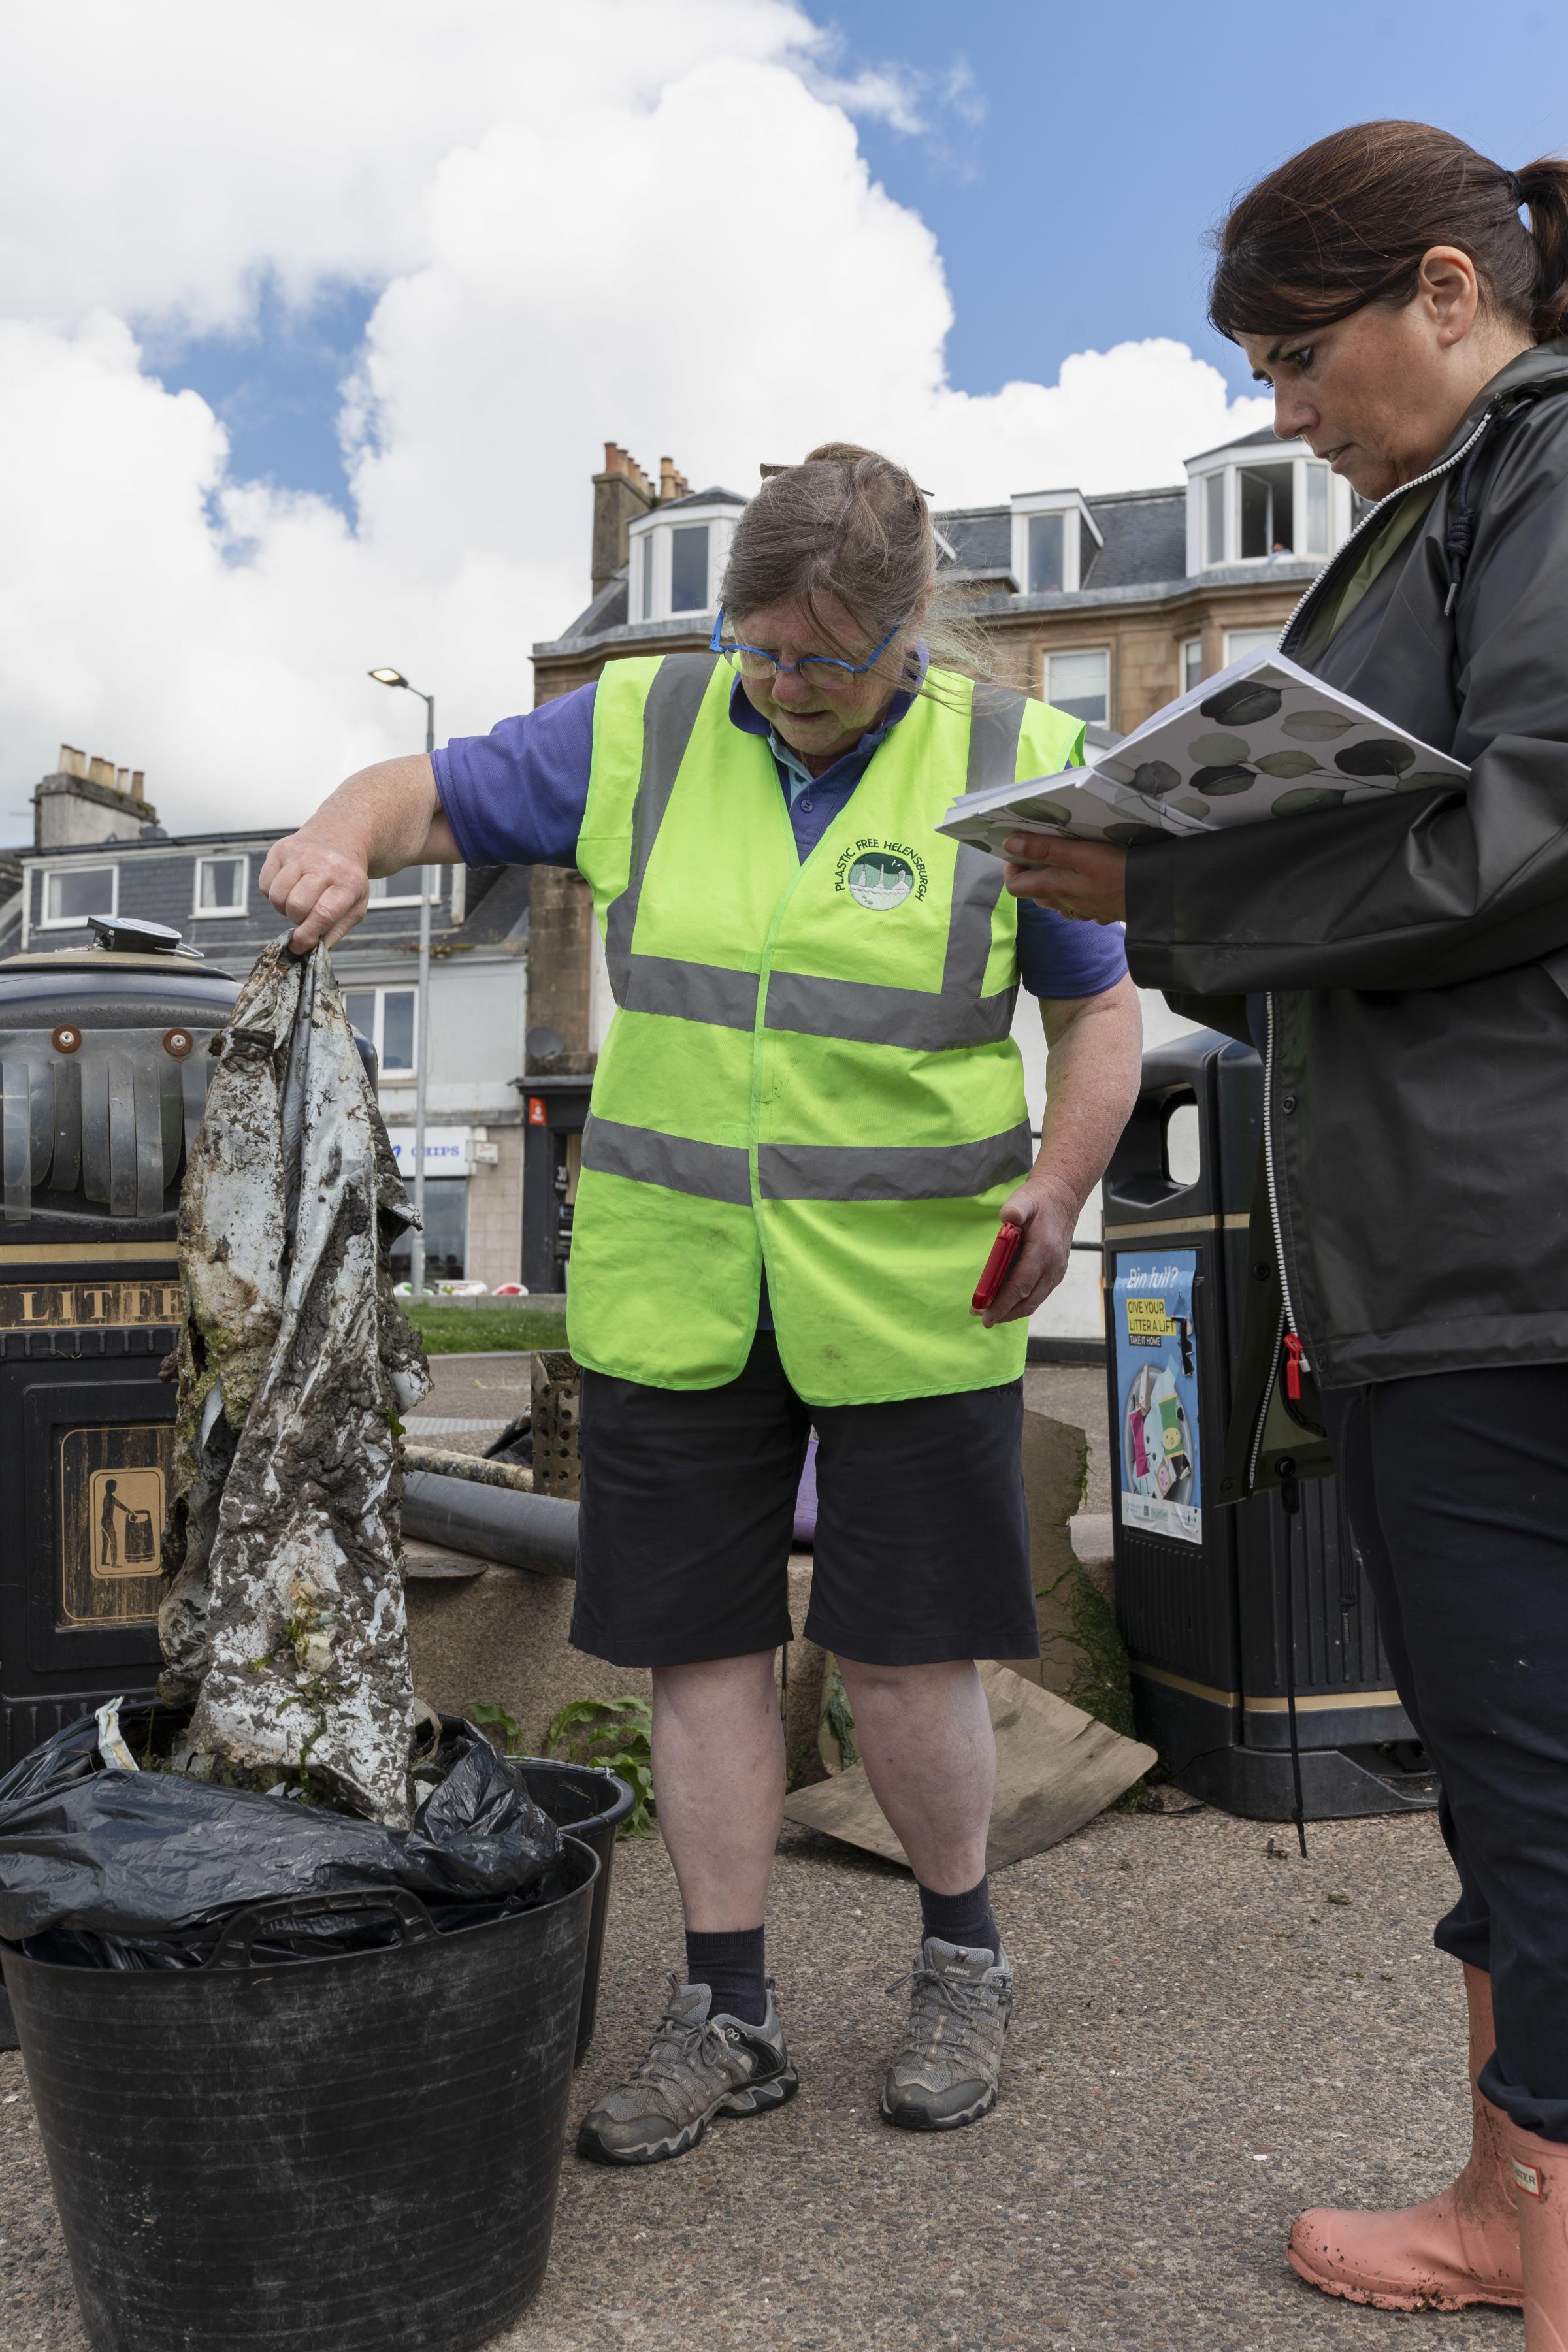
(1540,2187)
(1460,2247)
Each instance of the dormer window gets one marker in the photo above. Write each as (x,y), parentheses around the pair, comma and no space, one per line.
(1046,556)
(1054,540)
(1260,501)
(677,554)
(689,569)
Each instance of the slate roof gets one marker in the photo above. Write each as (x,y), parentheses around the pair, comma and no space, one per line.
(980,537)
(608,610)
(1145,535)
(716,497)
(1239,441)
(157,884)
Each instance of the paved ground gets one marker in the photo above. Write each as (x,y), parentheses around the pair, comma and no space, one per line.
(1076,1392)
(1206,2040)
(486,1390)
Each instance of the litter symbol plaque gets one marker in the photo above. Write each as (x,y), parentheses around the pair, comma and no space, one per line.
(1157,1393)
(113,1498)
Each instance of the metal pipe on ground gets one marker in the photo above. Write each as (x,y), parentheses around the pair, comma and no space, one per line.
(497,1523)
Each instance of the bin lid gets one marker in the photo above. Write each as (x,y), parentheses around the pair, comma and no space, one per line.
(103,1075)
(119,942)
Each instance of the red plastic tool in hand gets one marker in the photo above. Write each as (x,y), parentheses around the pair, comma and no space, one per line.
(1004,1250)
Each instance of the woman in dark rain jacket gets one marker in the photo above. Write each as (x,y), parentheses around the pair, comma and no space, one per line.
(1403,965)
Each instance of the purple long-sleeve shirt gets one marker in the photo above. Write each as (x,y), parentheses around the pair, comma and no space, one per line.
(517,795)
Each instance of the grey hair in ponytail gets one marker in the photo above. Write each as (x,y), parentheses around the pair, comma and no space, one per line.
(849,524)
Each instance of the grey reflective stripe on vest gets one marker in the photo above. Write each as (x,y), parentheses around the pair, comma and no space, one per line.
(945,1171)
(868,1015)
(857,1009)
(691,992)
(996,723)
(669,714)
(709,1172)
(805,1171)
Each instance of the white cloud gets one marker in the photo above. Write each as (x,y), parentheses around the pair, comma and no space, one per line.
(609,220)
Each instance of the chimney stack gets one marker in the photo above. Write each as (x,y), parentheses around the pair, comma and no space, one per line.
(90,800)
(671,485)
(621,493)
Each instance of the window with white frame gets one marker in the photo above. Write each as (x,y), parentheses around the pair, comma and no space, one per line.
(1055,542)
(1079,683)
(1266,519)
(1045,540)
(1243,644)
(1314,540)
(676,559)
(1259,512)
(222,885)
(1192,664)
(688,568)
(386,1016)
(402,889)
(72,892)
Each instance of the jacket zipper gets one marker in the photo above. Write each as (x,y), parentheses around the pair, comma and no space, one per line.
(1288,1338)
(1419,482)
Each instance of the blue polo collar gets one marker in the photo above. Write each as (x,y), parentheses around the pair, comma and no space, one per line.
(744,714)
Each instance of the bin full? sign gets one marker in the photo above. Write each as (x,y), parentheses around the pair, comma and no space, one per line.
(1157,1393)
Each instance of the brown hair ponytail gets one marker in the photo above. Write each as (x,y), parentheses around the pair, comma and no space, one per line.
(1347,221)
(1543,187)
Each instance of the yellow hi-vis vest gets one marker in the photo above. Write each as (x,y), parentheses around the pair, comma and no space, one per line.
(810,1066)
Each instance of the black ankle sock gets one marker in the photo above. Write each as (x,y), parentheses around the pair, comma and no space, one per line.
(732,1965)
(961,1918)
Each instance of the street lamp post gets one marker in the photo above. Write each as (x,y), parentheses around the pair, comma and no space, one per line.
(422,1025)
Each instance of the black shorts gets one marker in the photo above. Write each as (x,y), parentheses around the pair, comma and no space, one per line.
(923,1541)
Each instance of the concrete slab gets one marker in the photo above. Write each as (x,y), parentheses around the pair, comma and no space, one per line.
(485,1391)
(1204,2043)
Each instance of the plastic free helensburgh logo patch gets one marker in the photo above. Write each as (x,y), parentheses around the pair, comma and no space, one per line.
(881,874)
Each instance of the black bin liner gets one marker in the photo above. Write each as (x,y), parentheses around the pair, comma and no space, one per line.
(137,1870)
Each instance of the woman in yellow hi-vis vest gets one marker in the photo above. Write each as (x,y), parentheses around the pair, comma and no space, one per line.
(807,1117)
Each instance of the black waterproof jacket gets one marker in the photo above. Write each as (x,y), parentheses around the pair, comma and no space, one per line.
(1413,951)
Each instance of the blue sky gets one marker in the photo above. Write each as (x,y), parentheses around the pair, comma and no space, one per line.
(1073,160)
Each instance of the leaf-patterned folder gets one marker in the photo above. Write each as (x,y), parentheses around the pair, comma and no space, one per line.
(1263,739)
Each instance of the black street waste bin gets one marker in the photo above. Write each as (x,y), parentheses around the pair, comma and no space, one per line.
(104,1055)
(1200,1590)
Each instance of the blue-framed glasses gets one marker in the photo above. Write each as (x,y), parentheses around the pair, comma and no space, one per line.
(820,670)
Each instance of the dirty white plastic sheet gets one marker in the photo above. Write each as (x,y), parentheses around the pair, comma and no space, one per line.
(284,1621)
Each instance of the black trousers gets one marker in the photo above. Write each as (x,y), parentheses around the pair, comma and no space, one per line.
(1456,1488)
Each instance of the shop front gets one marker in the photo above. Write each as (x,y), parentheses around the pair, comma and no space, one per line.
(448,1167)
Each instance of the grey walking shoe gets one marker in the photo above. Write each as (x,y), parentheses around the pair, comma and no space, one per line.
(949,2065)
(697,2067)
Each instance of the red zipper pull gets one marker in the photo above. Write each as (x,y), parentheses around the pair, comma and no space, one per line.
(1292,1366)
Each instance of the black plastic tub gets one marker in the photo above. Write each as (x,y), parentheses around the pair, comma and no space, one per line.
(591,1804)
(357,2154)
